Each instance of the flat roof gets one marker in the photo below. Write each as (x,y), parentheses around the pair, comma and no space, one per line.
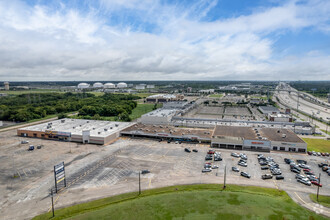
(250,133)
(162,112)
(168,130)
(165,96)
(235,131)
(97,128)
(269,108)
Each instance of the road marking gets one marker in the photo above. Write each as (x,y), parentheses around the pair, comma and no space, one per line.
(308,204)
(276,184)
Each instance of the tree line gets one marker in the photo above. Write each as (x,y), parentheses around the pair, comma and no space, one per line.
(27,107)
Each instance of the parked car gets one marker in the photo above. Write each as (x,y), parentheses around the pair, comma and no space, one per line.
(195,150)
(243,164)
(235,169)
(145,171)
(302,161)
(316,183)
(325,168)
(245,174)
(295,170)
(206,170)
(264,168)
(208,157)
(215,167)
(207,166)
(217,158)
(234,155)
(299,176)
(279,177)
(322,164)
(301,165)
(327,154)
(187,150)
(305,181)
(31,148)
(210,152)
(309,152)
(266,176)
(309,173)
(39,146)
(323,154)
(24,142)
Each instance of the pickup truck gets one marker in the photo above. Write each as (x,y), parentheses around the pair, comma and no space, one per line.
(266,176)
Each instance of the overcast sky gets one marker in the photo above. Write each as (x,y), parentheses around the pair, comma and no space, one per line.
(164,40)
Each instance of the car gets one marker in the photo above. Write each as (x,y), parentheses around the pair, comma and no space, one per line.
(299,176)
(279,177)
(215,167)
(318,154)
(39,146)
(309,173)
(207,166)
(323,154)
(266,176)
(301,165)
(235,169)
(206,170)
(160,140)
(145,171)
(24,142)
(264,168)
(31,148)
(208,157)
(217,158)
(262,163)
(304,181)
(234,155)
(176,142)
(168,141)
(287,160)
(327,154)
(322,164)
(242,164)
(187,150)
(245,174)
(306,170)
(316,183)
(276,171)
(314,154)
(195,150)
(309,152)
(325,168)
(210,152)
(302,161)
(295,170)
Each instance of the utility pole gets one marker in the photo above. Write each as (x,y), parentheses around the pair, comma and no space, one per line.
(224,178)
(139,183)
(297,101)
(52,196)
(318,187)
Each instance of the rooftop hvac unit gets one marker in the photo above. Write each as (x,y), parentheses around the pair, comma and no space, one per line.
(105,129)
(116,125)
(283,135)
(93,128)
(278,131)
(260,138)
(110,127)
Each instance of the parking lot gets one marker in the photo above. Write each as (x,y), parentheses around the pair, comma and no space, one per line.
(97,171)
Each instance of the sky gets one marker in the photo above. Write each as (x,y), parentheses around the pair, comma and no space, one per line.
(111,40)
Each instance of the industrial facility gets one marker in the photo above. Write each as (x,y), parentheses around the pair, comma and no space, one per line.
(76,130)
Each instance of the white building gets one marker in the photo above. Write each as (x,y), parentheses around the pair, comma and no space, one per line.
(109,86)
(159,116)
(279,118)
(98,85)
(140,87)
(150,86)
(121,85)
(6,85)
(83,86)
(1,123)
(268,110)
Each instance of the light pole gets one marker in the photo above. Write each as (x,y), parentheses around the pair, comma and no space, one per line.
(318,187)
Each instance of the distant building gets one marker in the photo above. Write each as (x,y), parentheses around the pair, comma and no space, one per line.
(189,89)
(6,85)
(207,91)
(255,101)
(150,86)
(280,117)
(164,98)
(1,123)
(268,110)
(140,87)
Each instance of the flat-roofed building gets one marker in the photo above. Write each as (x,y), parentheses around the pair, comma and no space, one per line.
(268,110)
(259,139)
(280,117)
(158,116)
(76,130)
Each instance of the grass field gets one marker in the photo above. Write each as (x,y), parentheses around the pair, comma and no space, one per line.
(327,132)
(20,92)
(216,95)
(142,109)
(206,201)
(323,200)
(318,145)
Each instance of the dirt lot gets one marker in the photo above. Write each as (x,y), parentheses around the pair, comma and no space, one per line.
(98,171)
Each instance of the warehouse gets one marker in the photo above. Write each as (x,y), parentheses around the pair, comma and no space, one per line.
(168,133)
(159,116)
(268,110)
(259,139)
(76,130)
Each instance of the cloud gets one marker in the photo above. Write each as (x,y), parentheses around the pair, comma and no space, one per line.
(156,41)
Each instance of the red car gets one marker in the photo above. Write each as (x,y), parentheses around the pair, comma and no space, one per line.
(210,152)
(306,170)
(323,154)
(208,163)
(309,152)
(316,183)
